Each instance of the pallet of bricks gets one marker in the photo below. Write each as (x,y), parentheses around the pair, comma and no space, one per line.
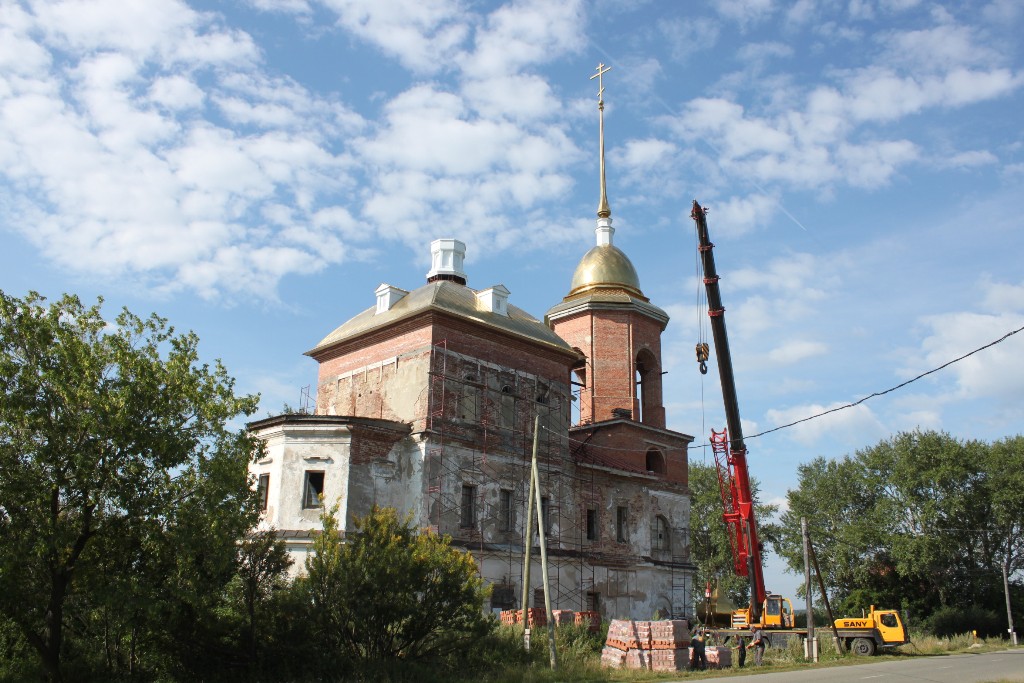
(654,645)
(535,617)
(561,617)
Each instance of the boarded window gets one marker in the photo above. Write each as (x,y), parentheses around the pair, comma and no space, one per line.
(263,491)
(468,509)
(503,596)
(661,539)
(313,490)
(621,524)
(469,399)
(507,408)
(506,517)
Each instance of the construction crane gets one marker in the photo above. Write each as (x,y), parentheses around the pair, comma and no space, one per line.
(865,635)
(731,453)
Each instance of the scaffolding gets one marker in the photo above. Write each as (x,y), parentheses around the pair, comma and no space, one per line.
(477,469)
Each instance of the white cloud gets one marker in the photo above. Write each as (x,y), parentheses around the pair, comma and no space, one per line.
(745,11)
(759,53)
(115,165)
(423,34)
(794,351)
(971,159)
(844,429)
(936,49)
(642,154)
(521,97)
(1002,298)
(737,216)
(524,33)
(996,372)
(176,92)
(688,36)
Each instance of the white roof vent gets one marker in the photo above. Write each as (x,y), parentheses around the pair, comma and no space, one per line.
(388,296)
(446,256)
(494,299)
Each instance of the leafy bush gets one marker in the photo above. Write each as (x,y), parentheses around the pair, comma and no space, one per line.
(391,592)
(950,621)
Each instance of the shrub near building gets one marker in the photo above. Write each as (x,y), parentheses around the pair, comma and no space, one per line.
(390,593)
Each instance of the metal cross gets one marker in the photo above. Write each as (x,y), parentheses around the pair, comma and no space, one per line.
(601,71)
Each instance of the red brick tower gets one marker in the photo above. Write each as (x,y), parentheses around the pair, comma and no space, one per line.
(606,317)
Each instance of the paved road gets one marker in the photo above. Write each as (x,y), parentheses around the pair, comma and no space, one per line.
(968,668)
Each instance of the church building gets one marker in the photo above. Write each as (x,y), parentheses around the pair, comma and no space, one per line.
(429,401)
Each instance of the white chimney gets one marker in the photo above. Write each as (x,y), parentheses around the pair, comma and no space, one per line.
(446,256)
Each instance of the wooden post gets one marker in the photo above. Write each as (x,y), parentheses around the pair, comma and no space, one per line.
(535,480)
(811,651)
(824,595)
(528,535)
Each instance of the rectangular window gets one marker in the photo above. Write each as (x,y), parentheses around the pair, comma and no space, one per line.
(506,520)
(469,399)
(591,525)
(468,517)
(507,410)
(661,539)
(594,602)
(263,491)
(621,521)
(545,513)
(313,490)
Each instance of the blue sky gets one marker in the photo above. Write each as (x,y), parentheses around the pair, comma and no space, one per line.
(253,170)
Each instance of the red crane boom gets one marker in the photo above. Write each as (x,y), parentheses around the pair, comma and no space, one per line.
(731,455)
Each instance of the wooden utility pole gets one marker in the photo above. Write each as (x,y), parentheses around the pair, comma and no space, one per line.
(824,596)
(811,651)
(1006,591)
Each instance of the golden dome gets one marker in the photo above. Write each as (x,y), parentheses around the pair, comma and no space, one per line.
(605,267)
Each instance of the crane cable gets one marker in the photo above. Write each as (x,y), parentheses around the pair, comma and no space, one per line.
(703,350)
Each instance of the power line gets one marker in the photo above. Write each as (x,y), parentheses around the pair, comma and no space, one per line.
(891,389)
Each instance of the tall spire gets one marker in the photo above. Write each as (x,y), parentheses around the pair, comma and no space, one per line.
(603,209)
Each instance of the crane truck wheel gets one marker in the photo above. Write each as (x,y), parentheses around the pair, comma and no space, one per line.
(864,647)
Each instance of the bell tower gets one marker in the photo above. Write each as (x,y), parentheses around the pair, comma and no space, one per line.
(606,317)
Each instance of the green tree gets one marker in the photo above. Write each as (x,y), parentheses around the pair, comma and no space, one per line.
(115,456)
(920,521)
(389,591)
(709,538)
(263,563)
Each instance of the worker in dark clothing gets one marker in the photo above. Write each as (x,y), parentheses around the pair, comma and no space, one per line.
(741,651)
(698,658)
(757,642)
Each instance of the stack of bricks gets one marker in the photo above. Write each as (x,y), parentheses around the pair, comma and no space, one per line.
(511,617)
(718,657)
(535,615)
(591,619)
(652,645)
(563,617)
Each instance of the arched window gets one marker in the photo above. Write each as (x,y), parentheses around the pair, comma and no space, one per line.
(655,461)
(647,375)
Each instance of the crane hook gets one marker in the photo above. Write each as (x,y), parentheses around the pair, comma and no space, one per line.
(702,357)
